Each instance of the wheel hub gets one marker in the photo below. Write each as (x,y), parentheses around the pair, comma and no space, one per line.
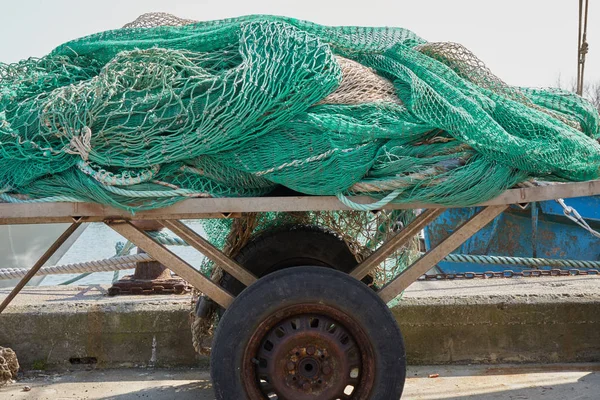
(309,356)
(309,369)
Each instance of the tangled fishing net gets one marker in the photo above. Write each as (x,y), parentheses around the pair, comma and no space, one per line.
(166,109)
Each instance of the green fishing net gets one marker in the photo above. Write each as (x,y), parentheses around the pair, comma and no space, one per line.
(166,109)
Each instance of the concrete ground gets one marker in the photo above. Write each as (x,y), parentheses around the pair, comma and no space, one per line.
(515,382)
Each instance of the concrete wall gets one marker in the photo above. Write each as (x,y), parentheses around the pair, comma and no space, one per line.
(504,332)
(50,328)
(125,334)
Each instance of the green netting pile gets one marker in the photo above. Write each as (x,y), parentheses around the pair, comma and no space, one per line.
(147,115)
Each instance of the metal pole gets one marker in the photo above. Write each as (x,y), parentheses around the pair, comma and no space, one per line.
(582,45)
(438,253)
(212,207)
(579,48)
(40,263)
(210,251)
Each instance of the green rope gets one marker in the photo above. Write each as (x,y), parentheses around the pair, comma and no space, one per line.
(521,261)
(153,193)
(52,199)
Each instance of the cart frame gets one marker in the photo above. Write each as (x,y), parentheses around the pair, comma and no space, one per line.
(169,217)
(308,352)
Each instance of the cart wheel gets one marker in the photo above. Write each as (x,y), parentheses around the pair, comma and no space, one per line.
(284,247)
(308,333)
(292,246)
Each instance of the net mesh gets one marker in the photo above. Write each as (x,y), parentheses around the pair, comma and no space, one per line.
(363,232)
(152,20)
(167,108)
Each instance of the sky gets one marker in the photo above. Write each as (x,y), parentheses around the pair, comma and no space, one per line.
(524,42)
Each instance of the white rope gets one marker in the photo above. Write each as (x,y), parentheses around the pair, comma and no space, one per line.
(105,265)
(81,144)
(117,263)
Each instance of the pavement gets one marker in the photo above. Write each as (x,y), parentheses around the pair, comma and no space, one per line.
(548,289)
(514,382)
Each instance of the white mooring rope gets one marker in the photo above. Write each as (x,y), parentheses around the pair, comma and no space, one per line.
(105,265)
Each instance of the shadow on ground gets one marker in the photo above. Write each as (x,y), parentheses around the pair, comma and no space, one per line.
(548,382)
(523,383)
(201,390)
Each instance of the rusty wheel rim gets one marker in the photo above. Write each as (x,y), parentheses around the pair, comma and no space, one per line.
(308,351)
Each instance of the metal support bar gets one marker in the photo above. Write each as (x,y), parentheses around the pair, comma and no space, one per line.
(214,207)
(393,244)
(172,261)
(40,263)
(437,254)
(210,251)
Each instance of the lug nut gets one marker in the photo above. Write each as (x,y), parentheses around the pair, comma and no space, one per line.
(306,386)
(291,366)
(310,350)
(326,370)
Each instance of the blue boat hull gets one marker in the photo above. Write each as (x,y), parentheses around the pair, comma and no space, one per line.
(541,230)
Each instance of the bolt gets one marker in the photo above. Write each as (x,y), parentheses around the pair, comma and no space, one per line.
(326,370)
(310,350)
(291,365)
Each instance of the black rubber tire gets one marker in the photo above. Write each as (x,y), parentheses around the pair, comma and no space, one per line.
(307,285)
(284,247)
(292,246)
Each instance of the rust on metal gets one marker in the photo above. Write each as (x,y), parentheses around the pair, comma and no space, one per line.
(309,351)
(150,277)
(127,285)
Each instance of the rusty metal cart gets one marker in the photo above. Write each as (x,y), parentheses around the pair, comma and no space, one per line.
(298,333)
